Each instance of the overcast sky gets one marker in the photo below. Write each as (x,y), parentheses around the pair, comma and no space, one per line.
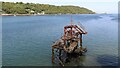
(99,6)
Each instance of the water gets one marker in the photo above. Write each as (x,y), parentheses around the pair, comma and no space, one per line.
(27,40)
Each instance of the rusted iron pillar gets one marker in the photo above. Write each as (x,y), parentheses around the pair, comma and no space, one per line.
(60,53)
(80,41)
(53,55)
(71,32)
(64,36)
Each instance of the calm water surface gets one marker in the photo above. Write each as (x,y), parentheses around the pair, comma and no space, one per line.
(27,40)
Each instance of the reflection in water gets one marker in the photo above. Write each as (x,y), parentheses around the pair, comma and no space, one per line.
(74,60)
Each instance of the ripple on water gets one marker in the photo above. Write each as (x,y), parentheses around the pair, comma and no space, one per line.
(108,60)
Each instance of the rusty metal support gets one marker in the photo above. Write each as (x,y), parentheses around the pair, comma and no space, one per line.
(80,41)
(60,53)
(64,36)
(71,33)
(53,55)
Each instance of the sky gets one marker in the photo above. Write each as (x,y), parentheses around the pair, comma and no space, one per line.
(98,6)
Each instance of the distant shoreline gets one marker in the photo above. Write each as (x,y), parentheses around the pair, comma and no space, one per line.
(38,14)
(21,14)
(29,14)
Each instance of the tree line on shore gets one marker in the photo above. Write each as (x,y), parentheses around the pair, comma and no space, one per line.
(36,8)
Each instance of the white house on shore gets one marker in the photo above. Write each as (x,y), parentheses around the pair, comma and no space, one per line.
(42,12)
(32,11)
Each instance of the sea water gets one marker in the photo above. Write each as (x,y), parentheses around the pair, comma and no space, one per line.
(27,40)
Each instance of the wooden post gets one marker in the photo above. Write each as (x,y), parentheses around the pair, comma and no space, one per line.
(80,41)
(60,54)
(71,33)
(52,55)
(64,36)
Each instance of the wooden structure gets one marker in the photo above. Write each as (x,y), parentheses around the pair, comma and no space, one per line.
(70,42)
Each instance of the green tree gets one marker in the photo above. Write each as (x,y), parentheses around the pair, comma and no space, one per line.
(26,8)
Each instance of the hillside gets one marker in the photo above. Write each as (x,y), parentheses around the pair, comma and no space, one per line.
(32,8)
